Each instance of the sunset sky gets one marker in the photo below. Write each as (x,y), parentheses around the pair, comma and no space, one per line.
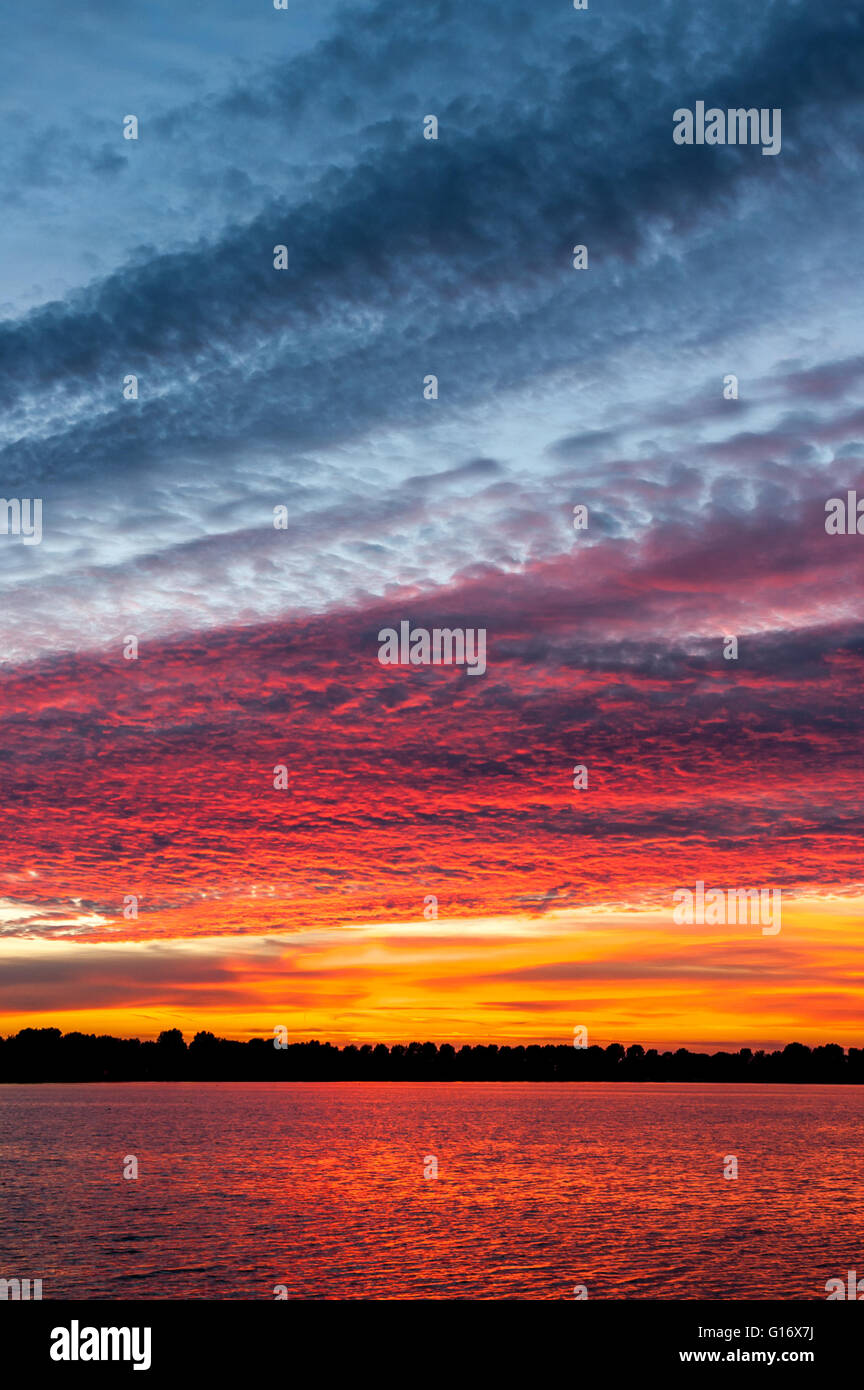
(303,388)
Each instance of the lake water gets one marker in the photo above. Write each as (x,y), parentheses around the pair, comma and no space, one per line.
(321,1188)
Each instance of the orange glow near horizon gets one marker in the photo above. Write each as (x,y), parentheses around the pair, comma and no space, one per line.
(156,872)
(628,977)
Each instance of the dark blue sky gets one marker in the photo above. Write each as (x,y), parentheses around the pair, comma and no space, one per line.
(409,257)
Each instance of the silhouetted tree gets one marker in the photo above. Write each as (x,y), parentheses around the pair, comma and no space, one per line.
(45,1054)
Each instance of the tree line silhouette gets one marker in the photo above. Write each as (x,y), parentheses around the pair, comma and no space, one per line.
(46,1054)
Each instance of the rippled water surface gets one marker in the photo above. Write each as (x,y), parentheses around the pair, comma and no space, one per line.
(321,1187)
